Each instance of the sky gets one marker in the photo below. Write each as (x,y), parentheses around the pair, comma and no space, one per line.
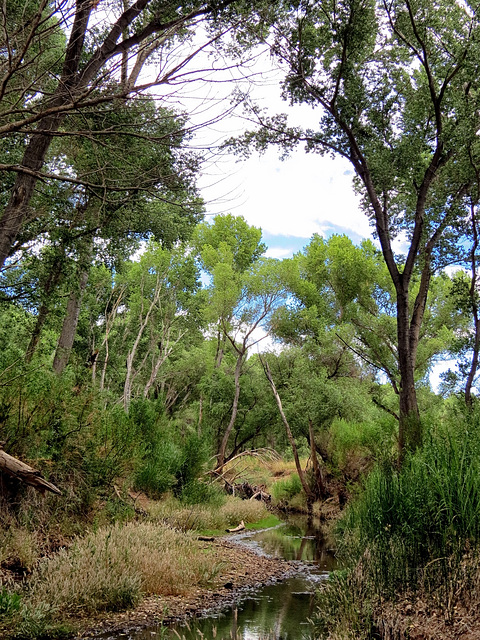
(289,199)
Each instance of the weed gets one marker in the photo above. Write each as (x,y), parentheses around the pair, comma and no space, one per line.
(9,602)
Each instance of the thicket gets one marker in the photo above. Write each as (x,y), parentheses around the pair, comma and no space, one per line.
(413,530)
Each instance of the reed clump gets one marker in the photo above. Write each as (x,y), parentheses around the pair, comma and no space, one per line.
(412,530)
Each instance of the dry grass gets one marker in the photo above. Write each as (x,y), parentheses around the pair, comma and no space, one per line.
(112,568)
(201,517)
(250,466)
(19,547)
(279,468)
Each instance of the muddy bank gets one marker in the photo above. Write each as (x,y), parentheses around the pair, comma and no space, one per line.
(241,571)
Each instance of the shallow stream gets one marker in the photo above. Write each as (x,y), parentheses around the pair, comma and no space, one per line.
(278,611)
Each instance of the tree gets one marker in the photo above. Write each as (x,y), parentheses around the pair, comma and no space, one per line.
(346,306)
(156,196)
(262,290)
(159,290)
(226,249)
(99,65)
(396,85)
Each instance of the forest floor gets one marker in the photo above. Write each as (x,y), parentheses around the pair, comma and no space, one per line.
(242,570)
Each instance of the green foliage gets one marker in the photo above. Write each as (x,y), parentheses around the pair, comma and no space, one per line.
(412,530)
(156,471)
(424,513)
(188,485)
(344,607)
(10,602)
(286,489)
(374,438)
(228,240)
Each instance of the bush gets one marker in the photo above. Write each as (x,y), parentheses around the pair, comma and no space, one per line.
(372,438)
(156,471)
(287,488)
(194,456)
(413,530)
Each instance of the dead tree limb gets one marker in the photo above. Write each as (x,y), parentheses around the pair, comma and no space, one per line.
(18,469)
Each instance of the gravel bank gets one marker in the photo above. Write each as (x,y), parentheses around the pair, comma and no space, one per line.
(242,570)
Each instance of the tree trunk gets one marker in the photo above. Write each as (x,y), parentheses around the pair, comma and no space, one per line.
(35,153)
(320,490)
(17,207)
(301,475)
(130,374)
(474,364)
(200,415)
(109,322)
(52,281)
(476,319)
(24,472)
(410,428)
(69,327)
(223,445)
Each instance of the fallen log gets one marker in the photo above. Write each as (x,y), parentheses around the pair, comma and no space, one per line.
(24,472)
(240,527)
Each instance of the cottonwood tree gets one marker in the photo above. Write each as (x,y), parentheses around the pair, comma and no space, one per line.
(226,249)
(260,291)
(58,58)
(156,317)
(154,194)
(396,87)
(346,306)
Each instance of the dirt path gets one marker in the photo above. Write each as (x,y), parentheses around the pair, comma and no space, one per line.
(242,570)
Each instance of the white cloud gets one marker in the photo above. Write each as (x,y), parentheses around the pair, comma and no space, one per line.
(302,195)
(279,253)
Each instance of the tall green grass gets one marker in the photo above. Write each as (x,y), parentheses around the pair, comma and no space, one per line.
(417,529)
(428,510)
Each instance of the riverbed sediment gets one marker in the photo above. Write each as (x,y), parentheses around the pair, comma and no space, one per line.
(241,571)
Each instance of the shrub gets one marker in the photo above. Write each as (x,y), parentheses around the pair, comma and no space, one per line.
(287,488)
(112,568)
(157,469)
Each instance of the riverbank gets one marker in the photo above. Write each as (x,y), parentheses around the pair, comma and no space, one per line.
(242,570)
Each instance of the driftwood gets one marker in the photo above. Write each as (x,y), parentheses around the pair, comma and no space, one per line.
(240,527)
(247,491)
(18,469)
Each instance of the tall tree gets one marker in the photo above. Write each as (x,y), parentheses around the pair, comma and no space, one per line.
(100,64)
(261,290)
(396,85)
(158,314)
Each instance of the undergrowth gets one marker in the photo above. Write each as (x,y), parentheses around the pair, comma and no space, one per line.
(415,529)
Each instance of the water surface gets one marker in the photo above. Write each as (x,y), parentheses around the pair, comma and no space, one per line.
(279,611)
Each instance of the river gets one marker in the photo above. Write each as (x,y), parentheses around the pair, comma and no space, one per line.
(278,611)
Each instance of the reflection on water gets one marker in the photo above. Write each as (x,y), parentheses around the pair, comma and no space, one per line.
(276,612)
(294,540)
